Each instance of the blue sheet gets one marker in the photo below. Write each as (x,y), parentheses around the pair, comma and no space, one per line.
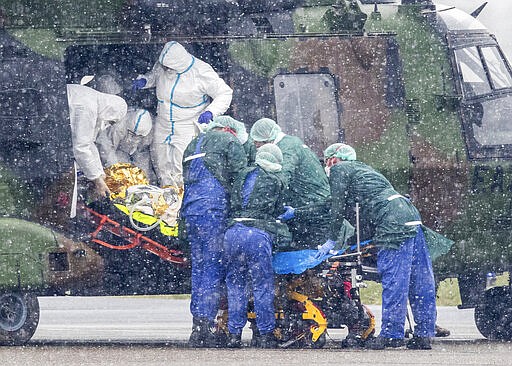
(299,261)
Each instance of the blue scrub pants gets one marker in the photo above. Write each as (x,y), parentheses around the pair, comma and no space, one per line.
(407,273)
(206,236)
(248,253)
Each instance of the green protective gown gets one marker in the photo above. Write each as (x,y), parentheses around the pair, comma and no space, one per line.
(306,183)
(383,211)
(250,151)
(303,173)
(264,205)
(225,157)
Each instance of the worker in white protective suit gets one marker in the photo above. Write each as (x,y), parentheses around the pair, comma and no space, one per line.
(128,141)
(90,112)
(190,93)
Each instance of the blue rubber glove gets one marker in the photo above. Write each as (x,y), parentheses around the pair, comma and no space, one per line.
(288,215)
(325,248)
(138,84)
(205,117)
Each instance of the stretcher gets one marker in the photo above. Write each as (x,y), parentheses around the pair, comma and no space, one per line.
(133,216)
(127,238)
(314,295)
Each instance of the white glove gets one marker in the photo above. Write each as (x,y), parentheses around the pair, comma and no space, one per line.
(325,248)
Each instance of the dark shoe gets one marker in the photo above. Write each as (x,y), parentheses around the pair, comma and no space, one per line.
(234,341)
(419,343)
(202,334)
(221,339)
(267,340)
(255,340)
(381,343)
(441,332)
(210,339)
(196,337)
(352,341)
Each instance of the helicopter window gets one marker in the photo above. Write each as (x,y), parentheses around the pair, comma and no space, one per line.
(500,76)
(307,107)
(490,121)
(473,74)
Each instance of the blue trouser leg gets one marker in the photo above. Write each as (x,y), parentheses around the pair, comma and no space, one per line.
(248,253)
(262,276)
(205,235)
(422,293)
(237,274)
(394,266)
(406,273)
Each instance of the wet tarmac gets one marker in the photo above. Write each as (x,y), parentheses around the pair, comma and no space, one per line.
(154,330)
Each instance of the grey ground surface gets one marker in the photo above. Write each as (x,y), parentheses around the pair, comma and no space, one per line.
(154,330)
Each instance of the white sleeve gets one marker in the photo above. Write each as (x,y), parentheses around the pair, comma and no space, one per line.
(83,121)
(152,76)
(107,146)
(218,90)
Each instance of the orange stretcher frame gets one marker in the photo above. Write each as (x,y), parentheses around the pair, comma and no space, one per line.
(134,238)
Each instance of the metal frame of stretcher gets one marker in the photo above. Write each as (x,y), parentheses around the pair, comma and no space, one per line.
(134,239)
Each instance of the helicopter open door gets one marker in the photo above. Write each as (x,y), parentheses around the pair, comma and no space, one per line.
(35,143)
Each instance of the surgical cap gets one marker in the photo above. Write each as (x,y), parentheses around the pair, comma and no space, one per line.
(141,123)
(339,150)
(237,126)
(265,129)
(269,157)
(213,124)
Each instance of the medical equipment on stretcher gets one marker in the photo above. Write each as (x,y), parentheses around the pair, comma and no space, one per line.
(129,218)
(314,295)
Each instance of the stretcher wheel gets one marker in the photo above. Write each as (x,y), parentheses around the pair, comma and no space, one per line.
(320,342)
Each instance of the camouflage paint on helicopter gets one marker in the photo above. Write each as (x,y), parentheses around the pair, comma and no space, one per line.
(428,149)
(436,149)
(464,194)
(449,147)
(408,95)
(34,258)
(367,72)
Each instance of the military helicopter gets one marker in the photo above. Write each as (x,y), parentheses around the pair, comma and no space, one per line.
(422,91)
